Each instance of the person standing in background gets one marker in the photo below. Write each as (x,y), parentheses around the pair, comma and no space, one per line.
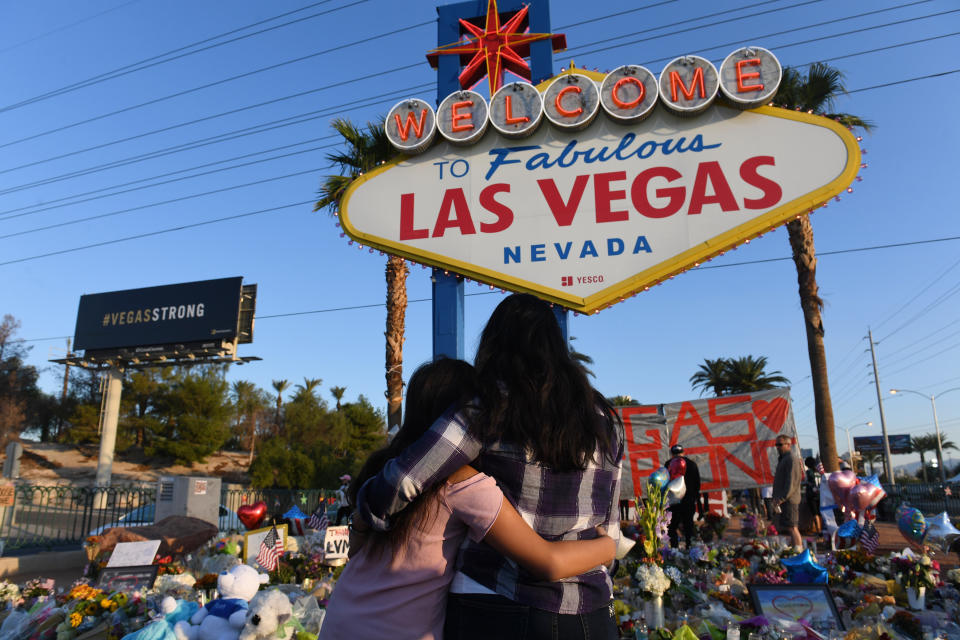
(343,502)
(683,511)
(786,491)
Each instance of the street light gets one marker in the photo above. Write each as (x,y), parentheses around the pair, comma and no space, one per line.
(849,445)
(936,424)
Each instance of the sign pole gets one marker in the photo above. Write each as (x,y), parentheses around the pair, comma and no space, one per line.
(448,329)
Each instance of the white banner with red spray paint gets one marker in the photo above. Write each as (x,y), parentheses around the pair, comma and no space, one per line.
(731,438)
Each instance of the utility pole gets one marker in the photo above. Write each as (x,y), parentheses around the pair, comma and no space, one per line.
(887,462)
(63,394)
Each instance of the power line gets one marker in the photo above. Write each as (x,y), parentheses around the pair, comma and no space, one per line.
(191,196)
(937,301)
(202,142)
(157,233)
(950,324)
(230,79)
(224,137)
(156,60)
(922,291)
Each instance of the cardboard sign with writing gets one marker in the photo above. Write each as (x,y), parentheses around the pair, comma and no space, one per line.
(336,544)
(133,554)
(7,493)
(128,578)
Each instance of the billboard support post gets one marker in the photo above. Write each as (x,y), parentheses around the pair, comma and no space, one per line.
(108,433)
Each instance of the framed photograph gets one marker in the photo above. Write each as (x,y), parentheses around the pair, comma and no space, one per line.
(793,602)
(252,540)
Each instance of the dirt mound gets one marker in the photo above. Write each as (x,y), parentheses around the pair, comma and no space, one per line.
(50,463)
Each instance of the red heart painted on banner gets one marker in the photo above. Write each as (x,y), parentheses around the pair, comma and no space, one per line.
(252,515)
(793,607)
(773,413)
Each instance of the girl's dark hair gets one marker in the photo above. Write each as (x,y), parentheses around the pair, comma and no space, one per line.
(433,388)
(534,394)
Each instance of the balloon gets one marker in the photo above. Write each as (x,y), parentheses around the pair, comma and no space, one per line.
(911,523)
(659,478)
(840,483)
(858,497)
(849,529)
(676,490)
(803,569)
(677,467)
(941,532)
(252,515)
(873,482)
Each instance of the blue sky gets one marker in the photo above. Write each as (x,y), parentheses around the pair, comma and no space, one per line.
(271,128)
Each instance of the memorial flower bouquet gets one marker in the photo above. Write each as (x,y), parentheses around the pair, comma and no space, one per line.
(653,519)
(9,592)
(652,580)
(916,573)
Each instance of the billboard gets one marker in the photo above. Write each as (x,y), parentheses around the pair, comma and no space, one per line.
(202,311)
(587,215)
(874,444)
(731,438)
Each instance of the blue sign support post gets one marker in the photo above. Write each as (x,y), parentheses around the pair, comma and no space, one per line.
(448,330)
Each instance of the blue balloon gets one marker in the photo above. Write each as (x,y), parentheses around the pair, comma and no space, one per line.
(803,569)
(659,478)
(294,513)
(849,529)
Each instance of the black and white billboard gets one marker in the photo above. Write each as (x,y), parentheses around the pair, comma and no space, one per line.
(169,314)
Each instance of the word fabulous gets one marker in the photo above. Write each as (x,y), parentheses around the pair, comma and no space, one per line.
(748,78)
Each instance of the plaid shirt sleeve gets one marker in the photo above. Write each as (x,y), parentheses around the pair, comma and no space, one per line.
(446,447)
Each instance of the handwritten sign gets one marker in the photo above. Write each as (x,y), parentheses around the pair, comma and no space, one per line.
(132,554)
(731,438)
(7,493)
(336,543)
(128,578)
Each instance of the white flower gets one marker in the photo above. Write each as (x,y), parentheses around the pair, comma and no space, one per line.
(925,561)
(652,579)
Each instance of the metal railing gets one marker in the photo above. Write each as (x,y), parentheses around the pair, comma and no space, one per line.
(928,498)
(62,516)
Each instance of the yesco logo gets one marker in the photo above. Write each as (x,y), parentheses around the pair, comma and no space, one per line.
(749,77)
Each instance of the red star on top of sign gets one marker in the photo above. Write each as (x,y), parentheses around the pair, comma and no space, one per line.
(495,48)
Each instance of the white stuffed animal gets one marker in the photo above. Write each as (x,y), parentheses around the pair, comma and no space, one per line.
(270,616)
(222,619)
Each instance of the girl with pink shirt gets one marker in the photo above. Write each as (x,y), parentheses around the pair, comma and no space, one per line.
(395,584)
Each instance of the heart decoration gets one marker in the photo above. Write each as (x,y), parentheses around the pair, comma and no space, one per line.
(773,413)
(252,515)
(793,607)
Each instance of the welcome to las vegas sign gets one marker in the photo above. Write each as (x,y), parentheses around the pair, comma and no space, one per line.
(592,187)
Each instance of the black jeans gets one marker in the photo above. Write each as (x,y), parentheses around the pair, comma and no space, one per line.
(491,617)
(682,516)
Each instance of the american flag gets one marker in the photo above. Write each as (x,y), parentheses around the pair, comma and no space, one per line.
(318,519)
(869,537)
(271,548)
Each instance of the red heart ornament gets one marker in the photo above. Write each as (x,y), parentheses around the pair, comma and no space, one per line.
(252,515)
(773,413)
(793,607)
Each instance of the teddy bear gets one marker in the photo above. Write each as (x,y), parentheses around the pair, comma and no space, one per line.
(173,611)
(222,619)
(270,616)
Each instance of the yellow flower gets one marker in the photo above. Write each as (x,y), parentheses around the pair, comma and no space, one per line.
(75,619)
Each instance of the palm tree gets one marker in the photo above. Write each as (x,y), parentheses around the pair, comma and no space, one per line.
(247,403)
(279,386)
(365,150)
(337,393)
(871,458)
(711,376)
(748,374)
(309,384)
(815,93)
(923,445)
